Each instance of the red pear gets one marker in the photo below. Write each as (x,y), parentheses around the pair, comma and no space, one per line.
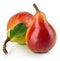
(40,36)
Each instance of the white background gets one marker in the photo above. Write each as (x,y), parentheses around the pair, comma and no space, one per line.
(21,53)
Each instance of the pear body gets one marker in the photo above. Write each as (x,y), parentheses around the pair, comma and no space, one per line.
(21,17)
(41,36)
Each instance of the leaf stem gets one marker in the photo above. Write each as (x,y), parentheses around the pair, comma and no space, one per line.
(36,8)
(4,45)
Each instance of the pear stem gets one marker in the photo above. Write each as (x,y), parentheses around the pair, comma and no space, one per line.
(36,8)
(4,45)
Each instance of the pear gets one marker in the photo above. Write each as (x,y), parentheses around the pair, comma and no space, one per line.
(16,28)
(40,36)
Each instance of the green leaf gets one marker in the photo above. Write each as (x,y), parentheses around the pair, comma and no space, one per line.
(18,30)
